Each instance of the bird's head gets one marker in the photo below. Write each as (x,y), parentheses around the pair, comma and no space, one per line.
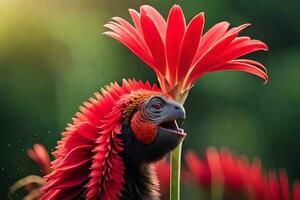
(150,128)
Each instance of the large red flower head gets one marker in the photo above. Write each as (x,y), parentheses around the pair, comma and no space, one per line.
(179,53)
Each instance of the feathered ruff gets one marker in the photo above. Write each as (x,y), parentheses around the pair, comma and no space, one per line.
(88,164)
(179,53)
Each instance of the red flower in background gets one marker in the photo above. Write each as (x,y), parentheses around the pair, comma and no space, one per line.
(39,154)
(33,183)
(179,53)
(233,173)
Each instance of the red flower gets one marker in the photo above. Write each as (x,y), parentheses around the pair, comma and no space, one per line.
(39,154)
(232,173)
(235,175)
(179,53)
(33,183)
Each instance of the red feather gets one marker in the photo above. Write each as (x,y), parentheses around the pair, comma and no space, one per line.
(87,158)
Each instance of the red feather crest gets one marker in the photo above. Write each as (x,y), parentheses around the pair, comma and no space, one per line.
(87,158)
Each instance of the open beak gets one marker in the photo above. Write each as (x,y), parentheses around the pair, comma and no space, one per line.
(175,113)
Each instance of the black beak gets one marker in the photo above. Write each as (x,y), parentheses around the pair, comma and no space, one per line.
(174,113)
(177,110)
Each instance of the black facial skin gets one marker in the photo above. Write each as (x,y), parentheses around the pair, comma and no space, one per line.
(140,181)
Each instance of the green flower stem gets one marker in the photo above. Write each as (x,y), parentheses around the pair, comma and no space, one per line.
(176,153)
(216,191)
(175,173)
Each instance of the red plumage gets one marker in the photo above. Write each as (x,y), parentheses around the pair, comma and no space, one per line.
(87,158)
(143,131)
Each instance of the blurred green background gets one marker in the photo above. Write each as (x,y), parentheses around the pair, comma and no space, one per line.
(53,57)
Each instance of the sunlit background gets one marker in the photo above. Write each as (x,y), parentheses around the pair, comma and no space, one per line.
(53,57)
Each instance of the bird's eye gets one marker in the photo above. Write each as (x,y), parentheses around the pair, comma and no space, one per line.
(157,106)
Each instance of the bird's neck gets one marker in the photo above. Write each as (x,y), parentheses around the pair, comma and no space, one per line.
(140,182)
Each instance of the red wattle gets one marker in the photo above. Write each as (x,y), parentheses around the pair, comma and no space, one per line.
(143,131)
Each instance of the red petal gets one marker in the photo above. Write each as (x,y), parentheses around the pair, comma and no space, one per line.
(210,38)
(195,165)
(190,45)
(240,66)
(284,185)
(199,169)
(273,186)
(135,34)
(136,20)
(213,51)
(174,36)
(296,191)
(213,161)
(205,63)
(232,171)
(238,49)
(40,155)
(252,62)
(122,35)
(156,17)
(155,43)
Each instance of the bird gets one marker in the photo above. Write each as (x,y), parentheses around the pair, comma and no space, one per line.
(108,150)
